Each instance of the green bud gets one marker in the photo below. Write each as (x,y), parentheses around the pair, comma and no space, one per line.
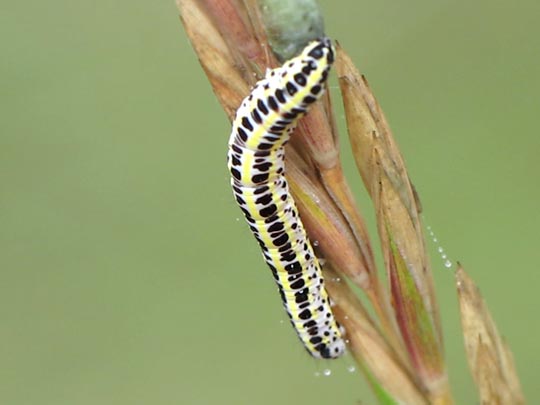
(291,24)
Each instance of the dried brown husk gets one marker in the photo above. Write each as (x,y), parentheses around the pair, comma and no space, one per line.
(489,357)
(400,230)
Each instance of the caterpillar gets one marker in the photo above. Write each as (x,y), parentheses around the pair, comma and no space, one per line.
(263,124)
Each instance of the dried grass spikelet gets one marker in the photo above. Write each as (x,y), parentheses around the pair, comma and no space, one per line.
(385,177)
(401,351)
(490,359)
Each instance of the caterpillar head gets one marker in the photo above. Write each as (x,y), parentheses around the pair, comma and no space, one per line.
(321,51)
(307,72)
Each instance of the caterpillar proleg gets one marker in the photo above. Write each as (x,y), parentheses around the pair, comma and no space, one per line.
(261,129)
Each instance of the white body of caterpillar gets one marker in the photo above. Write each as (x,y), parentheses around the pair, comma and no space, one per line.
(260,130)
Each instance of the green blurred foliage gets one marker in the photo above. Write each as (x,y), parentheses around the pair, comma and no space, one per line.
(127,276)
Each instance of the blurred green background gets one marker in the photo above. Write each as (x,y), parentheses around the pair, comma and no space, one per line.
(126,276)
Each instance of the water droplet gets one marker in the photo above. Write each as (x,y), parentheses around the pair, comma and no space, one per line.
(327,372)
(315,243)
(351,369)
(346,317)
(347,341)
(338,280)
(444,256)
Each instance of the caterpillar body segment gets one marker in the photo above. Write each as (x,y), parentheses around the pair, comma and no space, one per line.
(262,127)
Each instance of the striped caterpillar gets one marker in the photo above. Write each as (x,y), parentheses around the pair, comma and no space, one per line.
(262,127)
